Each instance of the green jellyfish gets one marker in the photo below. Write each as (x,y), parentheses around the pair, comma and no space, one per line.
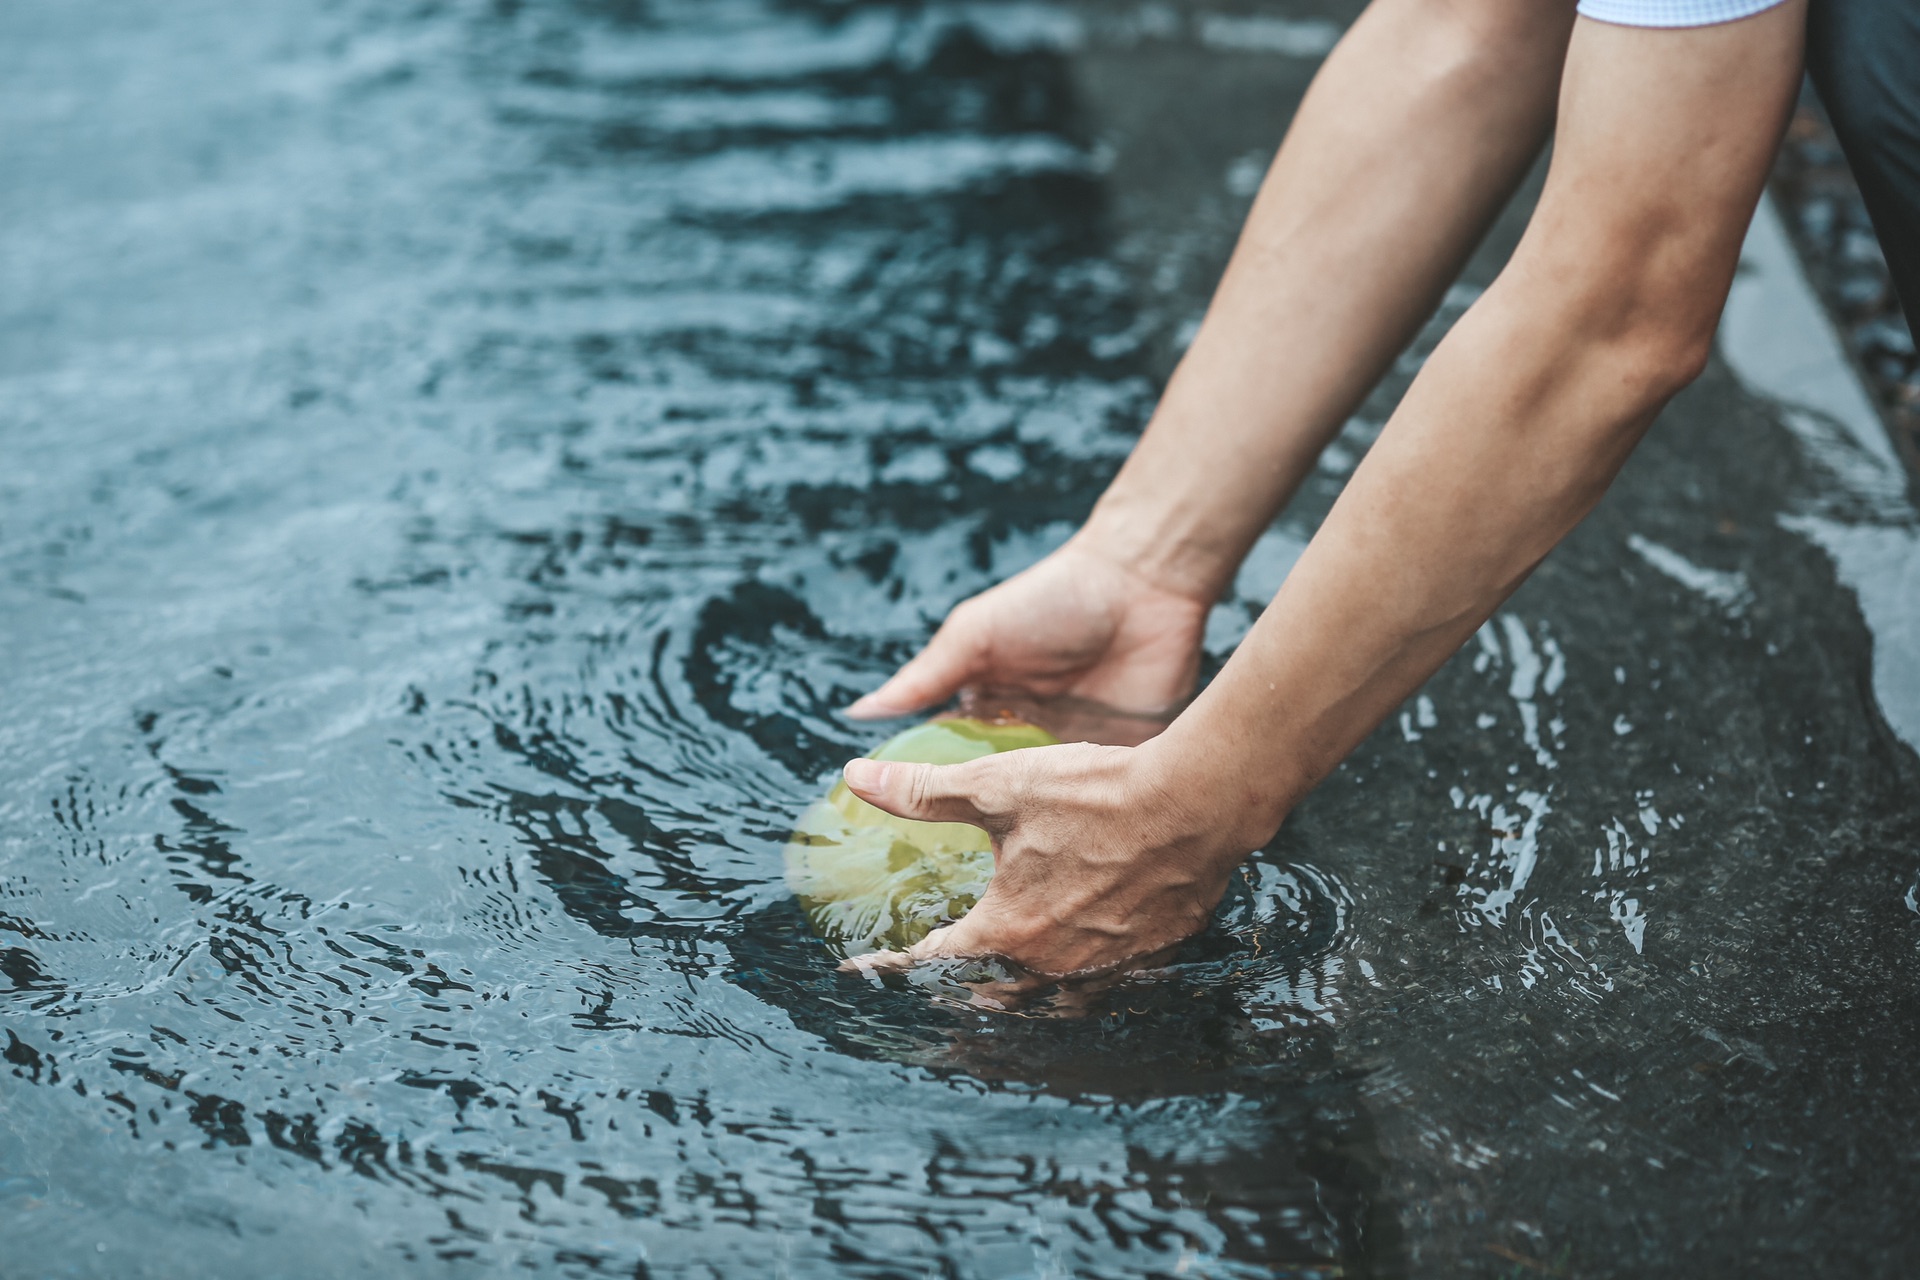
(867,879)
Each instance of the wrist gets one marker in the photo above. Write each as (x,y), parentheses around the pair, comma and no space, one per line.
(1217,798)
(1159,542)
(1123,559)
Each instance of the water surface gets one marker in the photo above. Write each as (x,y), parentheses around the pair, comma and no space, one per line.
(460,457)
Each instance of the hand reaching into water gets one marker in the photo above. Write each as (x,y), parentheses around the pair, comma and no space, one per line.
(1103,857)
(1078,624)
(1508,437)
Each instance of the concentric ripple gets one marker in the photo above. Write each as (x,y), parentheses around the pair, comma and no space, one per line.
(440,617)
(458,459)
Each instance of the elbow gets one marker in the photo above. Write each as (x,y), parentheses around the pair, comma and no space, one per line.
(1657,356)
(1634,292)
(1643,331)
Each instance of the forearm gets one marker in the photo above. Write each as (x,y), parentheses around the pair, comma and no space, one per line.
(1523,415)
(1411,138)
(1475,479)
(1105,856)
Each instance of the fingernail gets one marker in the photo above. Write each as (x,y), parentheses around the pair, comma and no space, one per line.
(873,708)
(864,774)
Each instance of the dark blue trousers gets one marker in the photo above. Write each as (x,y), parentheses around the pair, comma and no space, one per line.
(1864,57)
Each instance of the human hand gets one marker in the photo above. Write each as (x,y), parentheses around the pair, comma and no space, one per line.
(1076,624)
(1103,857)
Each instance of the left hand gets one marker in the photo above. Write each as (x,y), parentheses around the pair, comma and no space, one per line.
(1102,858)
(1080,623)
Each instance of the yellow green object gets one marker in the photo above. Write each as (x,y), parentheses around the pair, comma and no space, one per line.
(869,880)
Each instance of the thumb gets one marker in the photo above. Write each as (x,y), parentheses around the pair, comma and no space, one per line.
(932,676)
(923,792)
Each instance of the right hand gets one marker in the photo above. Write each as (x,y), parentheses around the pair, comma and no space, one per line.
(1075,624)
(1104,857)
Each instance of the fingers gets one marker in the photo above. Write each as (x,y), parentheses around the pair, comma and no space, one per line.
(1003,985)
(922,792)
(874,963)
(935,674)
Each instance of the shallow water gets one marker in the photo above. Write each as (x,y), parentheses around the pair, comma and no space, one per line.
(459,458)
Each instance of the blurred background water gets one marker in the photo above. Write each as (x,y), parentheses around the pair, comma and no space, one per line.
(456,459)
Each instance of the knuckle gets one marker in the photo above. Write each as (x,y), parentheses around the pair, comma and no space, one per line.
(1002,789)
(919,786)
(963,619)
(934,944)
(985,792)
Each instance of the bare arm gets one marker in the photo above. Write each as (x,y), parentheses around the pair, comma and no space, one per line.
(1411,138)
(1509,436)
(1526,412)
